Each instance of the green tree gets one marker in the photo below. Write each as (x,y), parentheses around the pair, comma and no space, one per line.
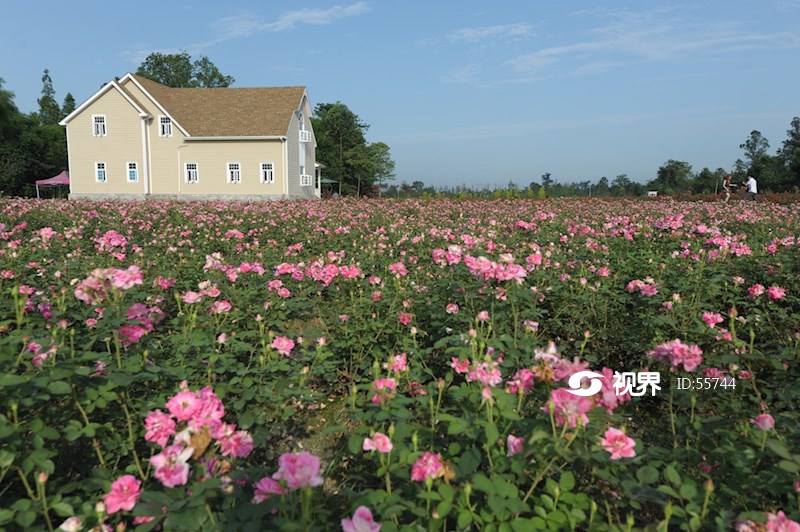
(68,106)
(49,112)
(343,149)
(601,189)
(707,182)
(547,181)
(672,177)
(789,154)
(178,70)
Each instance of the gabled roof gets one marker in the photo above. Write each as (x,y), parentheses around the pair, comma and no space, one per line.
(227,112)
(105,88)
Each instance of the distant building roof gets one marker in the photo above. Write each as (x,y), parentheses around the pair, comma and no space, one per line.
(228,112)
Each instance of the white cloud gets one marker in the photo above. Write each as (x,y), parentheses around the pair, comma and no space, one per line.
(244,25)
(465,74)
(506,31)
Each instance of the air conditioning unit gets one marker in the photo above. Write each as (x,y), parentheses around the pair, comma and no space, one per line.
(305,136)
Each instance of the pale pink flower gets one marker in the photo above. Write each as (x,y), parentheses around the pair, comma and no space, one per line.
(171,465)
(266,488)
(397,363)
(72,524)
(399,269)
(379,442)
(384,390)
(299,470)
(190,298)
(568,409)
(283,345)
(764,422)
(362,521)
(514,445)
(124,494)
(220,307)
(482,315)
(451,308)
(755,291)
(776,292)
(712,318)
(618,444)
(429,465)
(159,427)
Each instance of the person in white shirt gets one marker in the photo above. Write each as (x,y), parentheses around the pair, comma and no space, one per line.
(752,188)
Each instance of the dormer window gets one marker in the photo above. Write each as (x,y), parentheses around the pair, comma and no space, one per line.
(99,125)
(164,126)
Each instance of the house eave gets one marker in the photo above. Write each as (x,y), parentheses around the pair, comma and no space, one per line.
(228,138)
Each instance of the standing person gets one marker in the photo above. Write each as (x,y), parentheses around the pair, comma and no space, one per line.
(727,186)
(752,188)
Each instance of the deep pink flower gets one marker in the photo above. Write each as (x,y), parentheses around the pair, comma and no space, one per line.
(514,445)
(764,422)
(159,427)
(379,442)
(299,470)
(451,308)
(171,465)
(780,523)
(131,334)
(397,363)
(404,317)
(124,494)
(429,465)
(618,444)
(459,366)
(183,405)
(283,345)
(236,443)
(755,291)
(776,292)
(362,521)
(266,488)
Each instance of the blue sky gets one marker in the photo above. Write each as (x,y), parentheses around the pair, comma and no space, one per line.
(463,92)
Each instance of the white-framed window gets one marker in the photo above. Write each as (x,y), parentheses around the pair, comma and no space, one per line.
(100,172)
(99,125)
(164,126)
(305,179)
(234,173)
(191,173)
(132,171)
(267,172)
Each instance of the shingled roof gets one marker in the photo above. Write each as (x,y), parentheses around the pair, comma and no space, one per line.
(228,112)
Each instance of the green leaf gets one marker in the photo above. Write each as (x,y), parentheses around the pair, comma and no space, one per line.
(779,448)
(567,481)
(791,467)
(11,380)
(688,491)
(492,434)
(59,388)
(647,474)
(672,476)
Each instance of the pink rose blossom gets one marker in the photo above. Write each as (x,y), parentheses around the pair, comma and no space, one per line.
(299,470)
(159,427)
(183,405)
(429,465)
(764,422)
(755,291)
(776,292)
(362,521)
(266,488)
(283,345)
(780,523)
(379,442)
(124,494)
(618,444)
(397,363)
(220,307)
(384,390)
(404,317)
(190,298)
(712,318)
(568,409)
(459,366)
(514,445)
(451,308)
(171,465)
(237,443)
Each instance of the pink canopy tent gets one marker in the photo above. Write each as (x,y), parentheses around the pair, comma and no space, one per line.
(60,179)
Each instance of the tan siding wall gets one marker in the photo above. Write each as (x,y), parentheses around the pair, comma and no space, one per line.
(122,144)
(212,158)
(294,147)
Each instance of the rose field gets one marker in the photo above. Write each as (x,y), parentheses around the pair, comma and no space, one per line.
(366,365)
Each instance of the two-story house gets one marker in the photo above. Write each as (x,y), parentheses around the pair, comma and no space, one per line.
(135,138)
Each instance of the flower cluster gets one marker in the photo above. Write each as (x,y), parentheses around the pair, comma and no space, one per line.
(676,354)
(96,288)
